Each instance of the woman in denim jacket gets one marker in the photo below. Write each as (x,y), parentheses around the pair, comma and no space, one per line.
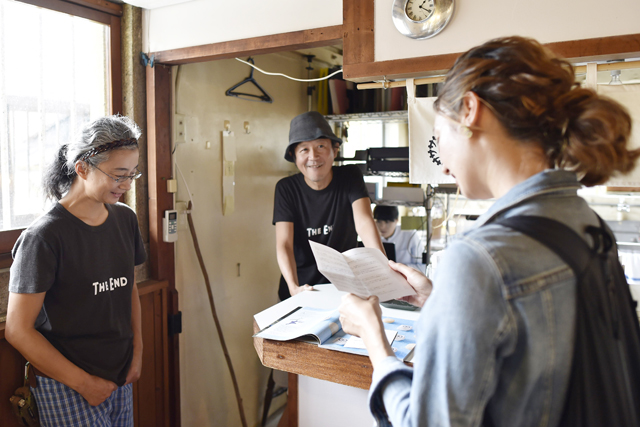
(496,332)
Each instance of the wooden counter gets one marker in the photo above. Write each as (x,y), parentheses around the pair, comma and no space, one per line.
(307,359)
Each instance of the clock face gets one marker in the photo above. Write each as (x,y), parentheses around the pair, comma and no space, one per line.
(419,10)
(421,19)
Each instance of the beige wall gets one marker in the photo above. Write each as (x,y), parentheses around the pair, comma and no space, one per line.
(475,22)
(246,236)
(201,22)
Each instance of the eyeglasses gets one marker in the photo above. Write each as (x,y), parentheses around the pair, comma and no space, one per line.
(122,178)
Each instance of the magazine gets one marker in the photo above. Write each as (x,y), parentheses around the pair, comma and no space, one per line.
(322,327)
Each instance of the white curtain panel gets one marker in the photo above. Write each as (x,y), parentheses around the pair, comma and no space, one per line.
(424,160)
(629,96)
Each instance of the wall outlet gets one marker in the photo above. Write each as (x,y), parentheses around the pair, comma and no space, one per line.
(172,186)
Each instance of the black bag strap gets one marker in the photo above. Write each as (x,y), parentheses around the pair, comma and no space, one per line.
(606,311)
(562,240)
(573,250)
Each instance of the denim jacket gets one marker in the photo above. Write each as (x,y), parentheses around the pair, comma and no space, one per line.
(495,338)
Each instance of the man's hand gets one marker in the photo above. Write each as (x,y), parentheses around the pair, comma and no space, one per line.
(418,281)
(302,288)
(96,390)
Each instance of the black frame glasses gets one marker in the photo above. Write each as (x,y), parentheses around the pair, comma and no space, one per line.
(122,178)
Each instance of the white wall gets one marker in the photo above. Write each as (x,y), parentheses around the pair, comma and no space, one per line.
(246,237)
(202,22)
(475,22)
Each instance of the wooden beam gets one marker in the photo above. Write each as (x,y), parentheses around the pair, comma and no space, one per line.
(159,163)
(292,401)
(161,257)
(601,48)
(101,5)
(399,68)
(115,64)
(72,9)
(358,34)
(614,47)
(326,36)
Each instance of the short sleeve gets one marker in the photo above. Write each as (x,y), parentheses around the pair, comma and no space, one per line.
(34,265)
(355,183)
(283,203)
(140,253)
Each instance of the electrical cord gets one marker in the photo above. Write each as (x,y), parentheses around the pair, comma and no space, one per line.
(289,77)
(215,316)
(185,184)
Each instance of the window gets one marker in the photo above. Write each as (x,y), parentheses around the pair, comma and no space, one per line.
(365,134)
(56,75)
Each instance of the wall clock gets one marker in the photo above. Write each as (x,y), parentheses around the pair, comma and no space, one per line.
(421,19)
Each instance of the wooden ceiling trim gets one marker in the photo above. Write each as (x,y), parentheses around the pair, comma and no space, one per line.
(317,37)
(614,47)
(399,68)
(101,5)
(72,8)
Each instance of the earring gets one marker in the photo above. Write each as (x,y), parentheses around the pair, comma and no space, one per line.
(465,131)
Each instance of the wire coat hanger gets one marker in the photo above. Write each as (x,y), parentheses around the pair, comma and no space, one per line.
(260,98)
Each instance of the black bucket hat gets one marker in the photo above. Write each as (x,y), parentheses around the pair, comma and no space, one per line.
(308,126)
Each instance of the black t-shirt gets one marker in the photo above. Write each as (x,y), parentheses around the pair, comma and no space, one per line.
(324,216)
(87,273)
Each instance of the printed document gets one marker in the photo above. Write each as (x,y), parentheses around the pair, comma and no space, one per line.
(361,271)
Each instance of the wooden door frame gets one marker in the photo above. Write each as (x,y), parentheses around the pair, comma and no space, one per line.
(159,131)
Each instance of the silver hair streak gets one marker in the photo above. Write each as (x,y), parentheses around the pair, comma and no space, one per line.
(99,137)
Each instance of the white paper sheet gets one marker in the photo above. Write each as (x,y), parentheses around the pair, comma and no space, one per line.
(423,155)
(361,271)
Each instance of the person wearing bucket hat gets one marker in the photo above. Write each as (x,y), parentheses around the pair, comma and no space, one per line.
(324,203)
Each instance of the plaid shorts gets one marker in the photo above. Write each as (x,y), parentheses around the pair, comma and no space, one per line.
(60,406)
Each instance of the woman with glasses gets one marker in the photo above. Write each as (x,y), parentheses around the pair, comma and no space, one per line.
(74,310)
(497,328)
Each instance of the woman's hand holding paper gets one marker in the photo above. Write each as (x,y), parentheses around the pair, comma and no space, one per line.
(417,280)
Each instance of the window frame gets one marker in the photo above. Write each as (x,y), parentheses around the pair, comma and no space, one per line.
(104,13)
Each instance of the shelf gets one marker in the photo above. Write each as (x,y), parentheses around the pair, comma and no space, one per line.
(628,245)
(385,116)
(383,202)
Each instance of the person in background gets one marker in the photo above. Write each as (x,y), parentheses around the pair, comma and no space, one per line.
(496,332)
(324,203)
(74,310)
(408,245)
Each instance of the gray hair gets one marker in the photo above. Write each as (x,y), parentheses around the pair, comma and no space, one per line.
(61,173)
(99,132)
